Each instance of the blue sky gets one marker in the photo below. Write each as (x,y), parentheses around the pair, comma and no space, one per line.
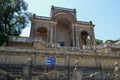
(105,14)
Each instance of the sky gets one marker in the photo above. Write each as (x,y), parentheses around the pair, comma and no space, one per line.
(105,14)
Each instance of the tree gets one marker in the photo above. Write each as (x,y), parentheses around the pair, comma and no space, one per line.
(13,16)
(98,41)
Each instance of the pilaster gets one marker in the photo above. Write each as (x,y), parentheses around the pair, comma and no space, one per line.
(93,37)
(77,39)
(80,42)
(55,34)
(51,34)
(73,36)
(48,35)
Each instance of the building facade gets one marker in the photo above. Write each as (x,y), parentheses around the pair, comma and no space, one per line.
(63,27)
(59,48)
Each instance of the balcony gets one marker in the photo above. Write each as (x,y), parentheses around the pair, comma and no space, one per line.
(42,17)
(23,39)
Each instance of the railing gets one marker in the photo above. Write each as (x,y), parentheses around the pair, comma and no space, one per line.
(83,22)
(61,8)
(69,48)
(88,47)
(93,47)
(56,45)
(97,47)
(42,17)
(23,39)
(115,46)
(28,40)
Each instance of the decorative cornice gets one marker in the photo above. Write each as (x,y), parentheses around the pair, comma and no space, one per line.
(44,21)
(81,25)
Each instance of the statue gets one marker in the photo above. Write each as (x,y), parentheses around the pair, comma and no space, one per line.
(116,71)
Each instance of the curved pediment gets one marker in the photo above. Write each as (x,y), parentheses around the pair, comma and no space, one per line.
(57,12)
(64,14)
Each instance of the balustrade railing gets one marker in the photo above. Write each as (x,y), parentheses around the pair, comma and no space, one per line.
(23,39)
(97,47)
(64,8)
(42,17)
(56,45)
(115,46)
(70,48)
(83,22)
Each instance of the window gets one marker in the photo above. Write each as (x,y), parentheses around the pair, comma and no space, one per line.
(61,43)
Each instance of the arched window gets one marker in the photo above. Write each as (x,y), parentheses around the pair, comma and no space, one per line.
(84,37)
(42,33)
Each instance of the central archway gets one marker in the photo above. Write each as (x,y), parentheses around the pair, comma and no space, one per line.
(64,21)
(63,32)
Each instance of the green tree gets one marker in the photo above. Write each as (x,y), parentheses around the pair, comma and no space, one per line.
(98,41)
(13,16)
(109,41)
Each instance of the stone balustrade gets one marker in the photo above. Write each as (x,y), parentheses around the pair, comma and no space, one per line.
(83,22)
(56,45)
(42,17)
(94,47)
(23,39)
(66,9)
(97,47)
(115,46)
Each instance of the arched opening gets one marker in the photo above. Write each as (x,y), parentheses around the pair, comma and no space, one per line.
(63,32)
(85,38)
(42,33)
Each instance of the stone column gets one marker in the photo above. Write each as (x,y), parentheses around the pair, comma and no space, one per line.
(77,39)
(51,34)
(77,71)
(90,36)
(25,72)
(73,36)
(48,35)
(80,42)
(55,34)
(93,37)
(117,71)
(32,30)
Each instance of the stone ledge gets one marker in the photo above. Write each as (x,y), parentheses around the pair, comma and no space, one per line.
(58,52)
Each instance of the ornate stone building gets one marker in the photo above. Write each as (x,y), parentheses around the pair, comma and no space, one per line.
(62,27)
(59,48)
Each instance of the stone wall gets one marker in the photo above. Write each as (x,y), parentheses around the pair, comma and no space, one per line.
(18,55)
